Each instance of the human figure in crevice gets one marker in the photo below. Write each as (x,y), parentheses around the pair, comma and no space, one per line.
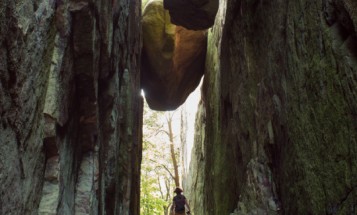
(179,203)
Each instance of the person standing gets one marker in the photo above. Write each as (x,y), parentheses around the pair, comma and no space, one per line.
(179,202)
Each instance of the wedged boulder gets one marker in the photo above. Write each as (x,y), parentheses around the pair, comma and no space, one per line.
(173,58)
(192,14)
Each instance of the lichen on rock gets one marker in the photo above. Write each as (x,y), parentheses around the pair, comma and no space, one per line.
(280,96)
(61,69)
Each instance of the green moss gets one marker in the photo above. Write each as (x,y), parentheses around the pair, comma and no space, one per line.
(320,135)
(314,128)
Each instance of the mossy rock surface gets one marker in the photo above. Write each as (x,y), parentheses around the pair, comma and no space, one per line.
(282,91)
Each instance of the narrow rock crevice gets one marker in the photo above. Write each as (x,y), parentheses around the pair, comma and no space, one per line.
(275,129)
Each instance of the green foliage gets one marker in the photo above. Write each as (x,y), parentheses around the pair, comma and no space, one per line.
(150,203)
(156,168)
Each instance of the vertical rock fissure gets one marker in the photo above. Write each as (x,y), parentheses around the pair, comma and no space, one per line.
(282,95)
(60,106)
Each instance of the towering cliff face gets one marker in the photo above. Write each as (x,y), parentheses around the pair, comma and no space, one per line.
(276,125)
(70,107)
(278,110)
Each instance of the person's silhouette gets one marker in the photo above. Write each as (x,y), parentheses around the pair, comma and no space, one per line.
(179,203)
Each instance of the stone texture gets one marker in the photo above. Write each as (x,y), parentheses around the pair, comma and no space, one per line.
(259,195)
(23,82)
(172,59)
(70,106)
(279,102)
(50,190)
(192,14)
(276,125)
(87,183)
(195,180)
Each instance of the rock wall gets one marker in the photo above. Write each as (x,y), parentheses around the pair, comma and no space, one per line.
(276,133)
(70,107)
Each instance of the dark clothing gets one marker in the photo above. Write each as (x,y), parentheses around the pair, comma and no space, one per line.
(180,201)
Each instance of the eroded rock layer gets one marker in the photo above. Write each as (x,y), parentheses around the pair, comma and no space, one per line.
(173,58)
(70,107)
(277,130)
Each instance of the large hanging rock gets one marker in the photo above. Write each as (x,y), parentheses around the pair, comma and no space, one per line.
(192,14)
(173,59)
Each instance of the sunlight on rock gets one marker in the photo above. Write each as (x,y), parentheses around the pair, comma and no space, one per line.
(173,59)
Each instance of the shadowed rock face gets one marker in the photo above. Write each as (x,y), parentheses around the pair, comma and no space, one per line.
(277,124)
(192,14)
(277,130)
(172,59)
(69,94)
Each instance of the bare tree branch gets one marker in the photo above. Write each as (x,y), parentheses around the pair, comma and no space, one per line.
(163,166)
(158,181)
(159,131)
(172,150)
(167,184)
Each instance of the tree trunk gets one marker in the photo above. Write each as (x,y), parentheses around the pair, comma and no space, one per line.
(172,150)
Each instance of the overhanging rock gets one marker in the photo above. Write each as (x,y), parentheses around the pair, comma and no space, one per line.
(173,59)
(192,14)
